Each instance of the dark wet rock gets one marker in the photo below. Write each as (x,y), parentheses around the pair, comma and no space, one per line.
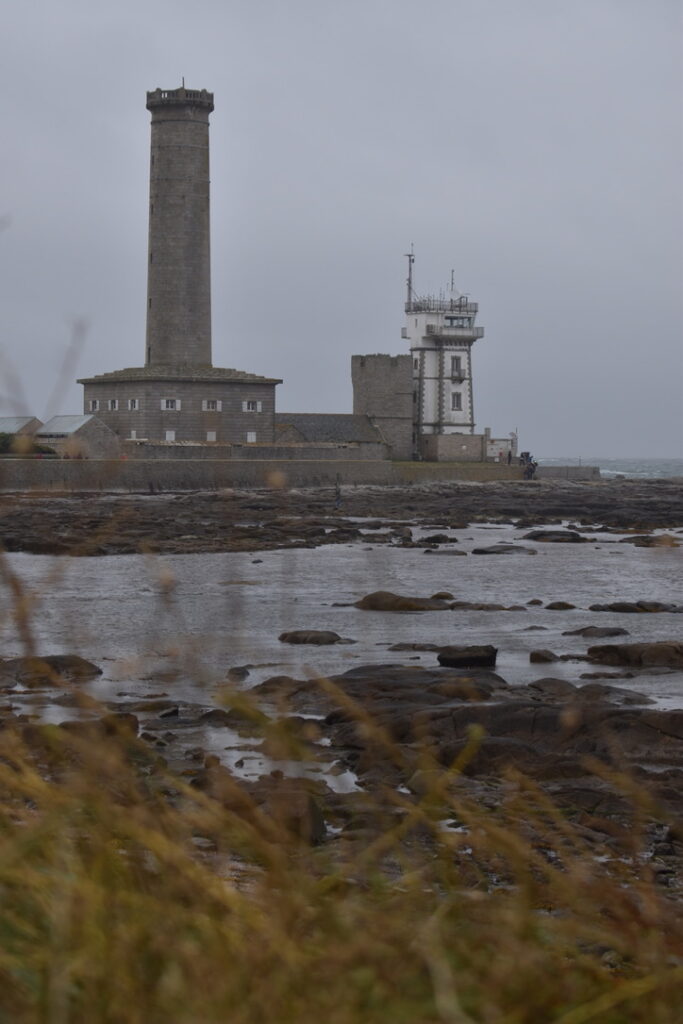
(662,540)
(248,717)
(542,656)
(555,536)
(238,672)
(473,656)
(560,606)
(635,607)
(614,694)
(442,595)
(477,606)
(49,670)
(172,712)
(407,646)
(504,549)
(664,653)
(444,551)
(535,629)
(552,688)
(439,538)
(597,631)
(534,601)
(385,601)
(462,688)
(316,637)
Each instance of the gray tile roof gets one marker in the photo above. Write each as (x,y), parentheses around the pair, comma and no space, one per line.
(13,424)
(63,425)
(327,427)
(191,373)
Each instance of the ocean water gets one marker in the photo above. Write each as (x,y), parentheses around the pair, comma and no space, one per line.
(177,623)
(610,467)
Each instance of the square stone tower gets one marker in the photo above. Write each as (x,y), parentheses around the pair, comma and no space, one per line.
(178,395)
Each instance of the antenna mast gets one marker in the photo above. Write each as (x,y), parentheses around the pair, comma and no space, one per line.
(411,259)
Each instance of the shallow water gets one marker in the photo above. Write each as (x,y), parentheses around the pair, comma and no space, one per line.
(176,624)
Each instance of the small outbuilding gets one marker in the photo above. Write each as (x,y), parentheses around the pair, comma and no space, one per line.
(79,437)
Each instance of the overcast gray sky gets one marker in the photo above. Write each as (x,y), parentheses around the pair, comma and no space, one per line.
(533,146)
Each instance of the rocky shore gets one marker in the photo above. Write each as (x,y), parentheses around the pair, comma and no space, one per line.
(95,524)
(602,757)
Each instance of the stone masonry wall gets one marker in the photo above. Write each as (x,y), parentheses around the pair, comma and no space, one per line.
(190,422)
(383,390)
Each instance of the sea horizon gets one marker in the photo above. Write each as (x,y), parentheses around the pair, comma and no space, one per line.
(611,466)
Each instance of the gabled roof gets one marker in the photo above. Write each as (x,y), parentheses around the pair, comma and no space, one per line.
(191,373)
(340,428)
(63,425)
(13,424)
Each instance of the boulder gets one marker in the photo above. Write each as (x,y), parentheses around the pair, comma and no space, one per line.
(481,656)
(444,551)
(549,687)
(49,670)
(556,536)
(560,606)
(664,653)
(385,601)
(316,637)
(542,656)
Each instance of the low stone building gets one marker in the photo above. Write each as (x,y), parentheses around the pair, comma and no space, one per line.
(19,425)
(79,437)
(184,403)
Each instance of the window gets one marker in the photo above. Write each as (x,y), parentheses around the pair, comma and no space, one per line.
(133,435)
(133,404)
(456,401)
(113,404)
(170,435)
(251,437)
(252,406)
(212,405)
(170,403)
(211,435)
(416,364)
(456,366)
(94,405)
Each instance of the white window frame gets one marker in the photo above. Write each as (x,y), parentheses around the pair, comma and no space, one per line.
(113,405)
(211,435)
(169,435)
(456,366)
(133,435)
(94,404)
(171,404)
(252,405)
(133,404)
(251,437)
(216,407)
(456,401)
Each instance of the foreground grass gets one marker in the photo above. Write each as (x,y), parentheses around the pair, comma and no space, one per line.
(127,896)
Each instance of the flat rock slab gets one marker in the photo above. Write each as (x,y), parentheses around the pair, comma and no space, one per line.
(316,637)
(668,654)
(477,656)
(385,601)
(504,549)
(597,632)
(636,607)
(556,536)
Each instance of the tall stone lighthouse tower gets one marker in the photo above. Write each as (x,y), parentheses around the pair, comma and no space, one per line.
(179,396)
(179,267)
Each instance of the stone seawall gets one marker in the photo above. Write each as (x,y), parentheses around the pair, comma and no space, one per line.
(188,475)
